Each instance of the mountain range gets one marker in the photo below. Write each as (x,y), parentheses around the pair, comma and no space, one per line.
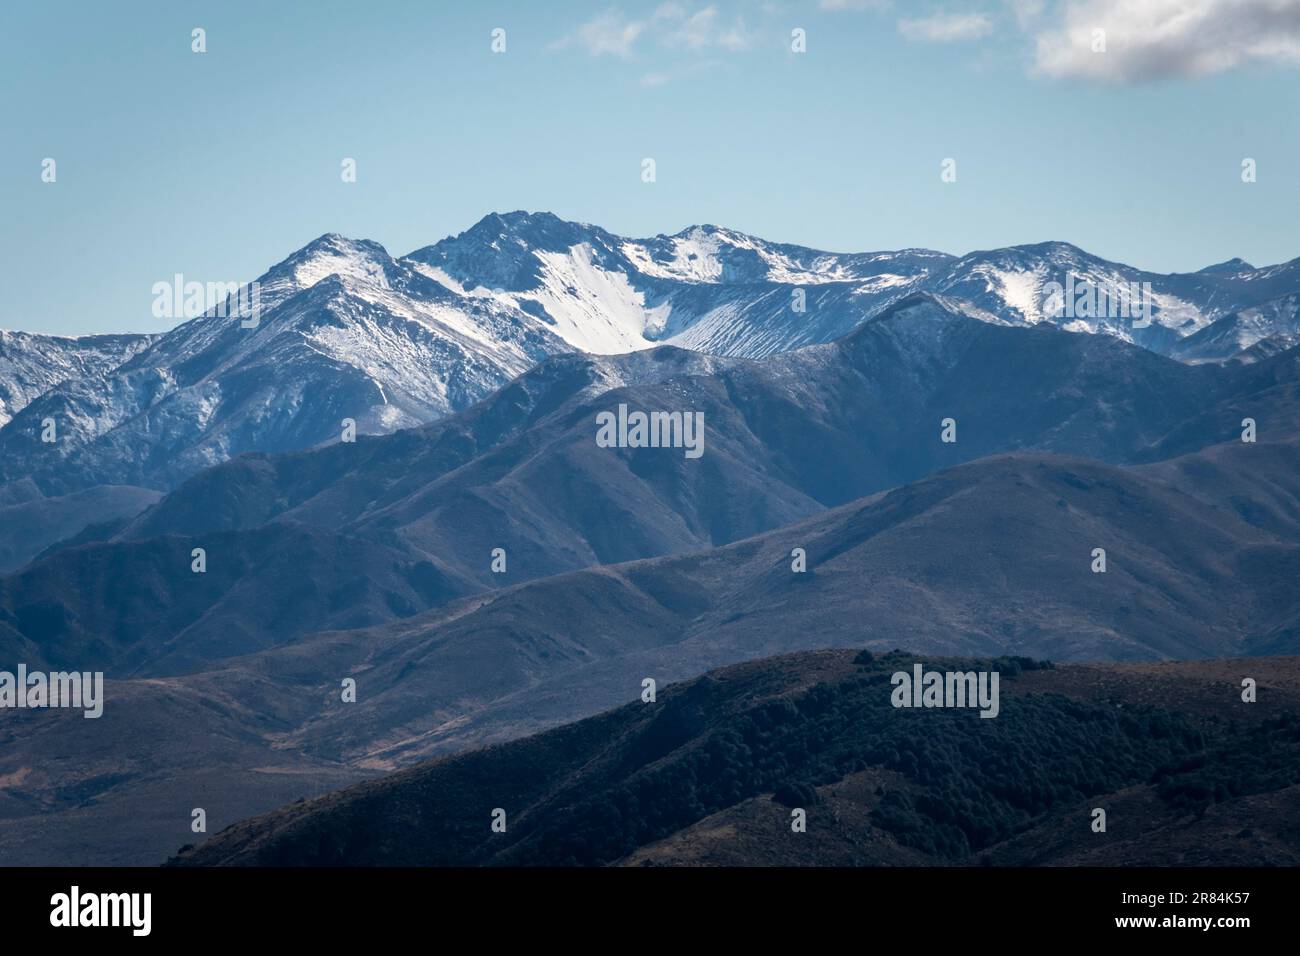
(31,364)
(921,458)
(348,332)
(422,510)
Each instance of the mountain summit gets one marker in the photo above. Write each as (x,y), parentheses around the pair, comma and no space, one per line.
(348,332)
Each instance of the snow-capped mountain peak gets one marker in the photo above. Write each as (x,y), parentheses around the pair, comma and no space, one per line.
(706,287)
(360,260)
(1230,267)
(347,331)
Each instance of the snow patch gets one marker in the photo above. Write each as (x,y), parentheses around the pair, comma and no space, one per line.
(593,309)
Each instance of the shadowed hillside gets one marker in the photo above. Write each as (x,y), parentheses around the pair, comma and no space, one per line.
(785,438)
(709,773)
(398,525)
(987,559)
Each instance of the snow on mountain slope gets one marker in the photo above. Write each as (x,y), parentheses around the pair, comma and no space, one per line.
(705,288)
(1247,335)
(719,290)
(1030,284)
(345,332)
(713,254)
(595,309)
(31,364)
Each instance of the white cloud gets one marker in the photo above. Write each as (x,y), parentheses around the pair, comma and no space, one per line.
(837,5)
(1027,12)
(1155,39)
(704,28)
(607,34)
(946,27)
(670,11)
(681,70)
(672,23)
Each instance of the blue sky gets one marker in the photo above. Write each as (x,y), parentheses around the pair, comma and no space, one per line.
(217,165)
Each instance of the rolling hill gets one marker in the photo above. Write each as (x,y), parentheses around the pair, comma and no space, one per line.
(710,771)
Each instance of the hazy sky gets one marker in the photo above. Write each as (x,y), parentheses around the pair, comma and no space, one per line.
(217,165)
